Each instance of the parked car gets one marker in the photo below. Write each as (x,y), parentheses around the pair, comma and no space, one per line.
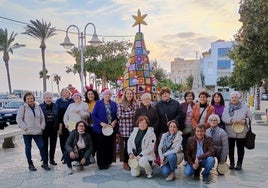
(264,97)
(9,111)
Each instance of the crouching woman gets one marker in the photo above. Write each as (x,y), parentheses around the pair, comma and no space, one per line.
(168,148)
(78,147)
(141,146)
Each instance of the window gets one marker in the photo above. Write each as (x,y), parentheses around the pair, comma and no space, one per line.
(222,52)
(224,64)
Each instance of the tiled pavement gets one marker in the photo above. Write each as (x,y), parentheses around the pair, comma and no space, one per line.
(14,171)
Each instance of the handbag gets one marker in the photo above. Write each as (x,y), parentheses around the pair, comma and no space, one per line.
(180,157)
(250,138)
(76,152)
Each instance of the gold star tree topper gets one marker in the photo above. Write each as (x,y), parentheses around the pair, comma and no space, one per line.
(139,19)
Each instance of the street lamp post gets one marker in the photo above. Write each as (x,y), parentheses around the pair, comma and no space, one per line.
(81,43)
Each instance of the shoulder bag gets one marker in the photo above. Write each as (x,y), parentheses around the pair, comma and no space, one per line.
(250,138)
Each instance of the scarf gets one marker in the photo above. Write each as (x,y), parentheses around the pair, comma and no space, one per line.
(233,107)
(167,142)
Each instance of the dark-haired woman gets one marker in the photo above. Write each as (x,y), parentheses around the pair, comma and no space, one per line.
(78,147)
(31,120)
(218,103)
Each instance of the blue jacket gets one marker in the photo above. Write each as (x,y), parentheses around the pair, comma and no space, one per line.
(99,115)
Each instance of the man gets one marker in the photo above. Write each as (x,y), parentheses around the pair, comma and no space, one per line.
(200,154)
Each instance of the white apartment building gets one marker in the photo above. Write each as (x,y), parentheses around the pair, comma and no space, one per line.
(181,69)
(215,63)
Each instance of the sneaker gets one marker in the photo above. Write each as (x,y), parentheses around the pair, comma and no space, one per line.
(170,177)
(149,176)
(53,163)
(45,166)
(70,171)
(205,179)
(32,168)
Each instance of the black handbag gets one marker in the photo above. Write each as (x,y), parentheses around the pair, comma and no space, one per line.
(250,138)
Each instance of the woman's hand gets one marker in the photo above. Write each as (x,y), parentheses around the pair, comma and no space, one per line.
(131,156)
(83,160)
(72,155)
(103,124)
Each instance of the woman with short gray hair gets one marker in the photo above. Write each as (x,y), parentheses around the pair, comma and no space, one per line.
(236,116)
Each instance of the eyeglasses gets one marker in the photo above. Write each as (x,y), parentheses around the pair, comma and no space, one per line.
(213,120)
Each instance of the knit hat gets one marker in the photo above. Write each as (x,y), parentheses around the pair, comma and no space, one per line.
(104,91)
(77,94)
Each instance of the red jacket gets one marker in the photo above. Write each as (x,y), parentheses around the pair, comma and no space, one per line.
(196,114)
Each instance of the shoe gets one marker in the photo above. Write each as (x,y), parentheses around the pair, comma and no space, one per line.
(76,163)
(231,167)
(45,166)
(53,163)
(149,176)
(205,179)
(32,168)
(81,167)
(106,167)
(101,167)
(70,171)
(197,173)
(126,166)
(238,167)
(170,177)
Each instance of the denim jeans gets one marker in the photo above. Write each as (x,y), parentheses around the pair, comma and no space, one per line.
(68,160)
(38,139)
(171,163)
(207,164)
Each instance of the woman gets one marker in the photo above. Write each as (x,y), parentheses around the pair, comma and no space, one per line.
(126,113)
(62,104)
(148,110)
(168,148)
(78,147)
(103,115)
(220,138)
(218,103)
(187,108)
(91,97)
(141,146)
(77,111)
(31,120)
(168,109)
(50,135)
(202,110)
(236,113)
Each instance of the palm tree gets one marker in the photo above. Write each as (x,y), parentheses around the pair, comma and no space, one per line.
(42,75)
(41,30)
(57,79)
(7,45)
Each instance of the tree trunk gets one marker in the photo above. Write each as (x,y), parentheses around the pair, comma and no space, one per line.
(8,77)
(44,70)
(103,81)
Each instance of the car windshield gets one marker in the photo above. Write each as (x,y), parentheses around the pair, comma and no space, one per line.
(13,104)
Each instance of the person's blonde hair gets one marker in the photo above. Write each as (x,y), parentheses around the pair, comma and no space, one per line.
(124,101)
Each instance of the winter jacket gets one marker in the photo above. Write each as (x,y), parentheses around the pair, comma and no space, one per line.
(208,149)
(196,114)
(242,113)
(73,139)
(148,143)
(175,147)
(33,123)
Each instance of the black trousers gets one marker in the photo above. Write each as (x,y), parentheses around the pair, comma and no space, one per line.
(126,156)
(50,136)
(63,139)
(184,143)
(240,144)
(104,149)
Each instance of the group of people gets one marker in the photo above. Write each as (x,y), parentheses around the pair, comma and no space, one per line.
(164,131)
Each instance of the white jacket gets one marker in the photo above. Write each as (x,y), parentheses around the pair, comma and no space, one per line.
(175,148)
(148,143)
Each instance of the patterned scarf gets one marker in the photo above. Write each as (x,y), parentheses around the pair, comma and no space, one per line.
(233,107)
(167,142)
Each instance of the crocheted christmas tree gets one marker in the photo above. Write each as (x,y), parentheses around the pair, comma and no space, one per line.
(138,71)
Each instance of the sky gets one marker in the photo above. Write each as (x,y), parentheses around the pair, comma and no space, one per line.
(175,28)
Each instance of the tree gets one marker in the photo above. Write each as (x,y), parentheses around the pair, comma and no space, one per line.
(189,82)
(41,30)
(107,61)
(42,75)
(57,79)
(223,81)
(158,72)
(7,46)
(250,52)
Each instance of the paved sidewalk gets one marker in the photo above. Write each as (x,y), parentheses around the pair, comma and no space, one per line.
(14,171)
